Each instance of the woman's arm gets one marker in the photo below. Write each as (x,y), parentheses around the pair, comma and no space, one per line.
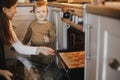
(19,47)
(23,49)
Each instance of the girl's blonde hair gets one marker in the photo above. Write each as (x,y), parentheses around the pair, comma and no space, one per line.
(39,4)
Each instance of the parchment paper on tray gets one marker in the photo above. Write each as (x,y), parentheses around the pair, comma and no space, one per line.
(73,59)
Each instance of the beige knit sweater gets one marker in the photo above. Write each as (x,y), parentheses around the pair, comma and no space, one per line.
(36,31)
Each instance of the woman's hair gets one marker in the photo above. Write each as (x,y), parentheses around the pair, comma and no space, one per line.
(39,4)
(5,34)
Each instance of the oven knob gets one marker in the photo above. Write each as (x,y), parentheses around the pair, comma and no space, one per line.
(76,19)
(73,18)
(80,20)
(66,15)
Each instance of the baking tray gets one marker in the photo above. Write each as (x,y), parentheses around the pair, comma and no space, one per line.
(72,59)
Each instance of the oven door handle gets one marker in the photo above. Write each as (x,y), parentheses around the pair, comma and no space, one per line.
(88,56)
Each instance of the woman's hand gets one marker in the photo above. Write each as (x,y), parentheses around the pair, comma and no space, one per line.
(7,74)
(45,50)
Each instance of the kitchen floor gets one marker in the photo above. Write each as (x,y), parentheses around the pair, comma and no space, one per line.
(50,72)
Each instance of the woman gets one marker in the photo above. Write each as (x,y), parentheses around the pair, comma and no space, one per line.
(8,37)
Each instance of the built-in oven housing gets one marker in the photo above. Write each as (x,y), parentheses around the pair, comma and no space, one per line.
(55,14)
(74,36)
(70,36)
(73,40)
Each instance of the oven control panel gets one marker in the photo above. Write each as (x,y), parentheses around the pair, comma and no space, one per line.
(74,17)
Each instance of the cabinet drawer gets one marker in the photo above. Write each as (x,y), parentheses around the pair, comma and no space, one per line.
(24,17)
(24,13)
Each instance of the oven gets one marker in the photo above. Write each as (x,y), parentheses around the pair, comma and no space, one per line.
(73,39)
(74,35)
(70,42)
(71,58)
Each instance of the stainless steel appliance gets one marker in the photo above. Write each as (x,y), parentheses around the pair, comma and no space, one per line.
(73,40)
(69,38)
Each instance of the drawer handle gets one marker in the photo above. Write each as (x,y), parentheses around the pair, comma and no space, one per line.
(114,64)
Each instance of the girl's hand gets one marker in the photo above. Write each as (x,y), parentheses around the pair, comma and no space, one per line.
(46,38)
(46,50)
(7,74)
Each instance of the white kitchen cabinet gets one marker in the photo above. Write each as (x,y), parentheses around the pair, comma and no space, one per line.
(21,21)
(109,47)
(91,46)
(55,14)
(102,45)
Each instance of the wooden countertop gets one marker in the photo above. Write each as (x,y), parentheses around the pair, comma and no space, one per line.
(56,4)
(105,10)
(109,9)
(25,4)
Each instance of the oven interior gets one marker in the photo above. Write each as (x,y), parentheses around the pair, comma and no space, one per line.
(75,40)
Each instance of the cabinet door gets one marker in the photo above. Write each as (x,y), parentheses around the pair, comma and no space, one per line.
(91,46)
(110,48)
(55,16)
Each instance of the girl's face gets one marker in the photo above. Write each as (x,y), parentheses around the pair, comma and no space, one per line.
(10,12)
(41,13)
